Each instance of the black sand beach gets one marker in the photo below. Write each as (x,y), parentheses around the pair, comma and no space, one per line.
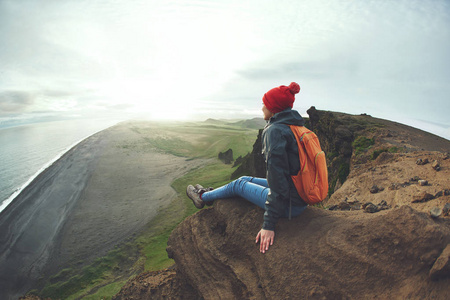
(93,198)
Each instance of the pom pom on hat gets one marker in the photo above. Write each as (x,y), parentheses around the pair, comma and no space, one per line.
(282,97)
(294,88)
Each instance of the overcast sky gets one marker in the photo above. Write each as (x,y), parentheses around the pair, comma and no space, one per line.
(199,59)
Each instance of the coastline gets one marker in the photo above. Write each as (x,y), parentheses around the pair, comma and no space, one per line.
(6,202)
(91,199)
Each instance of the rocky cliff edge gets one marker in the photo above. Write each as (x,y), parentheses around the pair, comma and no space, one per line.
(320,254)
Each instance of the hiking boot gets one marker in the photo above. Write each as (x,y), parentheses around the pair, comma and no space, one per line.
(201,190)
(194,195)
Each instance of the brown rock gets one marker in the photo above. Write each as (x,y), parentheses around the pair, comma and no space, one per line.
(333,207)
(354,202)
(344,205)
(422,197)
(375,189)
(435,212)
(446,209)
(423,182)
(422,161)
(385,251)
(394,186)
(436,165)
(162,284)
(226,157)
(371,208)
(383,205)
(441,267)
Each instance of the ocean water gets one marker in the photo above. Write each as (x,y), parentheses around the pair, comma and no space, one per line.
(27,150)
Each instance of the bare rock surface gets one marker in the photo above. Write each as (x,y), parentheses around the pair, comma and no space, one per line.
(319,255)
(164,284)
(441,268)
(403,178)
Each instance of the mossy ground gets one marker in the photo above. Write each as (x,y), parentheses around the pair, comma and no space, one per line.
(146,251)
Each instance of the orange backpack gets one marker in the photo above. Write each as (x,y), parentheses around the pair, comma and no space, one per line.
(312,179)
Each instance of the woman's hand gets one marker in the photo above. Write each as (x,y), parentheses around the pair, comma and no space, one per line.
(267,237)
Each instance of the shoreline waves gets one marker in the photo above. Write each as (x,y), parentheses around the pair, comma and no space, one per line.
(27,150)
(4,204)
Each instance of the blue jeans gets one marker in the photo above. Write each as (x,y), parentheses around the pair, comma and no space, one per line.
(252,189)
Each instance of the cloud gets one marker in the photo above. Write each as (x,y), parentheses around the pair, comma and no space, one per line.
(56,93)
(15,101)
(122,106)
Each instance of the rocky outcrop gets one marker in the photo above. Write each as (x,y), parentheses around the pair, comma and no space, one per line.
(226,157)
(239,160)
(319,255)
(253,164)
(164,284)
(336,133)
(441,267)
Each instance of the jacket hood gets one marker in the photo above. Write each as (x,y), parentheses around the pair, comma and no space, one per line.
(287,116)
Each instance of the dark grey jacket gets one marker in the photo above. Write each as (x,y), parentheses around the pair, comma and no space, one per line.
(280,151)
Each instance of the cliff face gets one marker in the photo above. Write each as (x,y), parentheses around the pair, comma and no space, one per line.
(378,238)
(319,255)
(253,164)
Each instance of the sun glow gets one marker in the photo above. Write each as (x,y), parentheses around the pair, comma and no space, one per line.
(177,67)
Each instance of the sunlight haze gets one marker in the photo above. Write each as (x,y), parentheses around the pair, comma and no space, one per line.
(183,60)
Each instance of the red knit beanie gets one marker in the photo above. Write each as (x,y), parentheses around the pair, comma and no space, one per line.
(280,98)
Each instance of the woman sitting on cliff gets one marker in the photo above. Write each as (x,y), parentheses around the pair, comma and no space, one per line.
(277,194)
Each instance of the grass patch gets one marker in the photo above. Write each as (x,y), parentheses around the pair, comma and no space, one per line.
(192,140)
(377,152)
(71,281)
(155,252)
(395,150)
(106,292)
(343,170)
(362,144)
(173,145)
(330,155)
